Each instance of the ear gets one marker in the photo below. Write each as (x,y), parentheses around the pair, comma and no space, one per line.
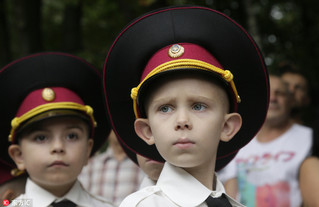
(16,155)
(143,130)
(90,146)
(89,150)
(231,126)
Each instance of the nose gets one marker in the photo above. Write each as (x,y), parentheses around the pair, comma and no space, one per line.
(273,96)
(183,120)
(57,146)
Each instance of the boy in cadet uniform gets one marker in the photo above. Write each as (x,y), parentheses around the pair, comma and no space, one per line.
(53,103)
(200,92)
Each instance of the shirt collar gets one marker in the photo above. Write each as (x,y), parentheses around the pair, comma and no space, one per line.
(77,195)
(173,179)
(41,197)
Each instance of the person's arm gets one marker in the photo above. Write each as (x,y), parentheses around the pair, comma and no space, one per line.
(309,181)
(228,176)
(231,188)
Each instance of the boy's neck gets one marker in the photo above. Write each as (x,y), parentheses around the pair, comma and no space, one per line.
(118,153)
(58,191)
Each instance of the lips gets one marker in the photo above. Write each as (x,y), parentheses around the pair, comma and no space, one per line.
(58,164)
(184,143)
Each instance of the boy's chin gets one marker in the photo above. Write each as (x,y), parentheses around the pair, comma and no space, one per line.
(188,164)
(55,181)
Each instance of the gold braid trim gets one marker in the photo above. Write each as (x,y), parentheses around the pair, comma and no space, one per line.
(15,123)
(186,63)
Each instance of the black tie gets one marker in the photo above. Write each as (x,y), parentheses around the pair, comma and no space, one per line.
(222,201)
(65,203)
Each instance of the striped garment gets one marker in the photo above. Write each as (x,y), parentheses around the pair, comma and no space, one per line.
(109,178)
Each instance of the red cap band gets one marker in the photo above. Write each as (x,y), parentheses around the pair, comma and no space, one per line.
(41,96)
(191,51)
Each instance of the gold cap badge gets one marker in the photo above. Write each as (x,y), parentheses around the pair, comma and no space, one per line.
(48,94)
(176,51)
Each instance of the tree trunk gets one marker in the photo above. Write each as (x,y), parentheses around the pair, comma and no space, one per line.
(252,26)
(5,53)
(33,25)
(72,33)
(26,26)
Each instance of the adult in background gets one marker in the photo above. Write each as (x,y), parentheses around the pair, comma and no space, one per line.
(299,87)
(266,169)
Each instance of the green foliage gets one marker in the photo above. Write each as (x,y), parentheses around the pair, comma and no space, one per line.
(284,29)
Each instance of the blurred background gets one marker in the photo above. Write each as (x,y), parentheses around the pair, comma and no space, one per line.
(285,30)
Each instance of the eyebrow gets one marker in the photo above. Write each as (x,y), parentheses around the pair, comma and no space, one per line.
(195,98)
(162,99)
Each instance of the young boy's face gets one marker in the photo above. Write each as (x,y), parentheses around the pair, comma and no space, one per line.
(187,117)
(54,152)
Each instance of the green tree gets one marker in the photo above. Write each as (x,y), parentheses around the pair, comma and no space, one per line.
(283,29)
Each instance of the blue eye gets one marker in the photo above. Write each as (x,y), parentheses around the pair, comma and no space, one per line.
(165,109)
(199,107)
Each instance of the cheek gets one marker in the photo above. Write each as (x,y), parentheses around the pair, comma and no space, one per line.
(159,141)
(210,130)
(301,95)
(32,152)
(29,157)
(159,128)
(74,149)
(80,152)
(162,145)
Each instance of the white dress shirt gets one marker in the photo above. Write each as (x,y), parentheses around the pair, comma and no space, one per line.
(175,187)
(39,197)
